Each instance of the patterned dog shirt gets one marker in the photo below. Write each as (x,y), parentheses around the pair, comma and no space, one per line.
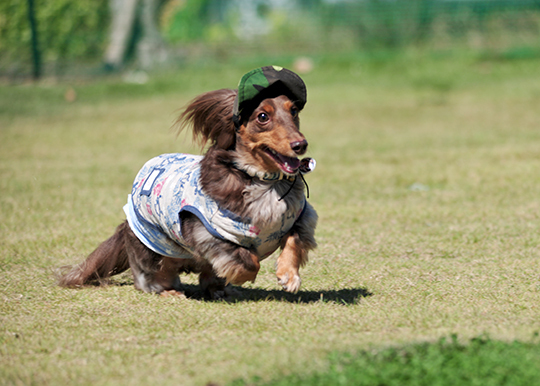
(168,185)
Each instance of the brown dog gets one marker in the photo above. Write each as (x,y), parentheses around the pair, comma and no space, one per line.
(221,214)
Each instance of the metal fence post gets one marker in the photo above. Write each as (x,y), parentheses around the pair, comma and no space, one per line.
(36,57)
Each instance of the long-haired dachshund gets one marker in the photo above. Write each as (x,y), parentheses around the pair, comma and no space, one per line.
(219,214)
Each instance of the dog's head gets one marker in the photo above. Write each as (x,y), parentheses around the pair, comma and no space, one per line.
(259,121)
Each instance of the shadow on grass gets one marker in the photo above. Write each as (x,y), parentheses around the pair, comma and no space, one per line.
(344,296)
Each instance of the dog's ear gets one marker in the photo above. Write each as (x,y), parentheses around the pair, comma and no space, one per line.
(210,114)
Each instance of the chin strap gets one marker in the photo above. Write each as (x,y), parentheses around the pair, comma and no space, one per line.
(294,182)
(236,121)
(290,188)
(264,176)
(305,183)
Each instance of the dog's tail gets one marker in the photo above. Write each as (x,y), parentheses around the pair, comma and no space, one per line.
(110,258)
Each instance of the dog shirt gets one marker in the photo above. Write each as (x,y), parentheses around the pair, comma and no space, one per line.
(169,184)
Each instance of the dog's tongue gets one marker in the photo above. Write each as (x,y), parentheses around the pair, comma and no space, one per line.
(288,164)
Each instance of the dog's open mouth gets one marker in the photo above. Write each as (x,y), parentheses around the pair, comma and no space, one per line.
(288,164)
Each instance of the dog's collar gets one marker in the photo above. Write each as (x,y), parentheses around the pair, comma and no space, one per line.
(264,176)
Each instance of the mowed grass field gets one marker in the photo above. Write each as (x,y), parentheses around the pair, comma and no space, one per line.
(428,193)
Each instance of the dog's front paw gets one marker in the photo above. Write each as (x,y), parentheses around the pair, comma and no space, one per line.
(290,281)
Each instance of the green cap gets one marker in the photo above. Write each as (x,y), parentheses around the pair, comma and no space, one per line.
(268,82)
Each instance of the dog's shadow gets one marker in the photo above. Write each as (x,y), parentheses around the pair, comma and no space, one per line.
(345,296)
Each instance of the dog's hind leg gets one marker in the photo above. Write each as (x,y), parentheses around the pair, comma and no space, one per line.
(109,258)
(152,272)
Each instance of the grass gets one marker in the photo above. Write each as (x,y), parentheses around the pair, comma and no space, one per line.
(428,195)
(479,362)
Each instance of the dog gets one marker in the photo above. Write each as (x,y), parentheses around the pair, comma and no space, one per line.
(219,215)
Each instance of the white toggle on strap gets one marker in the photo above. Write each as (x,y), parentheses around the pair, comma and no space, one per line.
(307,165)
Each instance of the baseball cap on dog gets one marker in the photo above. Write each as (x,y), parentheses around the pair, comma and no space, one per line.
(267,82)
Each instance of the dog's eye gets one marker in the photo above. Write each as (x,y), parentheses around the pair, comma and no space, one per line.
(263,118)
(294,111)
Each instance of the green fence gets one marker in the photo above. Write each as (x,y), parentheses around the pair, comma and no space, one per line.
(72,35)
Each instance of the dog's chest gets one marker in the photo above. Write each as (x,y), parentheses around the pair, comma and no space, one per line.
(270,216)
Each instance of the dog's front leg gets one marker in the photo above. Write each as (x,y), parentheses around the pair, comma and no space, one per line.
(236,266)
(292,257)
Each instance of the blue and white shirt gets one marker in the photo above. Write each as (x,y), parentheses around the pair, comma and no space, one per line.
(169,184)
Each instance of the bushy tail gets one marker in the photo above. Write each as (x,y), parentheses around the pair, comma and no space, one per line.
(110,258)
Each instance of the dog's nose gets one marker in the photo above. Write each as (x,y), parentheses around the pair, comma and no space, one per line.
(299,147)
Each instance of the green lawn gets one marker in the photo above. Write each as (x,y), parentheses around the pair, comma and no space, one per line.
(427,188)
(481,362)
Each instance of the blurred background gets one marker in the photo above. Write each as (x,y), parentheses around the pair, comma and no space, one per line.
(87,38)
